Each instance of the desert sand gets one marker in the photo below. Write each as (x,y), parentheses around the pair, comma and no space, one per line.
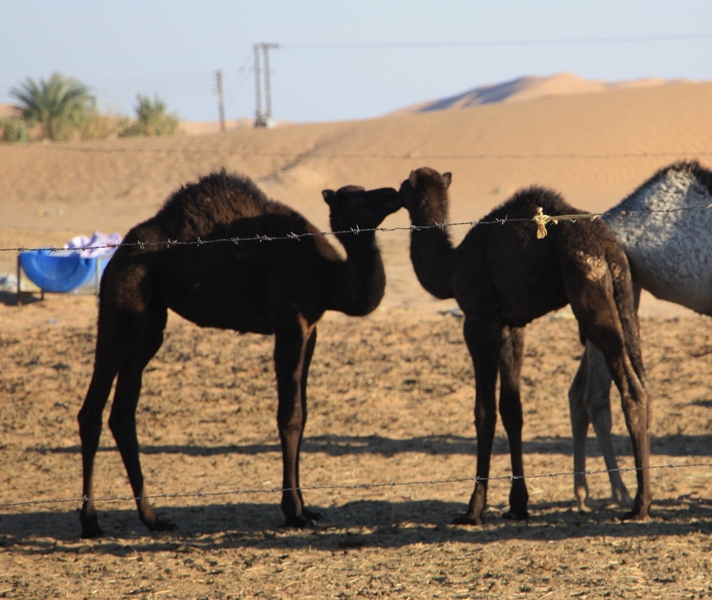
(391,395)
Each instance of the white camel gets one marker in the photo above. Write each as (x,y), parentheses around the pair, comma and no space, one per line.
(670,255)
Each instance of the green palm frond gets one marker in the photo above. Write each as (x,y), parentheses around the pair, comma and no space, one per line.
(54,103)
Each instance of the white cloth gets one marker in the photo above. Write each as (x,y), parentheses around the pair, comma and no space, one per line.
(95,245)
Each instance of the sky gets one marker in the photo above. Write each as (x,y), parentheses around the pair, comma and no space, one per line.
(339,60)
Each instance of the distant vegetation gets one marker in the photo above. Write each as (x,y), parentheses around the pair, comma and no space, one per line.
(152,118)
(62,109)
(13,129)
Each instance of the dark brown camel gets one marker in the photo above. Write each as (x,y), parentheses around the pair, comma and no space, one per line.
(276,287)
(503,277)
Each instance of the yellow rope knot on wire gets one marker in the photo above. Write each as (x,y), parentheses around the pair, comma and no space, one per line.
(541,220)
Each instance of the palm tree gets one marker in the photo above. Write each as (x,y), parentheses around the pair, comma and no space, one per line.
(56,104)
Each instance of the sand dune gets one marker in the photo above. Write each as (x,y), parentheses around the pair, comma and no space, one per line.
(526,88)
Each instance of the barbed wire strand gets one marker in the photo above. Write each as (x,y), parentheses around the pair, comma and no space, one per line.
(356,486)
(539,219)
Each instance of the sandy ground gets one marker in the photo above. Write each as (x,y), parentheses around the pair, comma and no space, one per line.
(390,441)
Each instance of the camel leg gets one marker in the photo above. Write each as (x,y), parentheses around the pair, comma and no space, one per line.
(510,408)
(598,405)
(600,323)
(105,369)
(293,341)
(122,420)
(635,401)
(589,402)
(484,341)
(579,431)
(308,353)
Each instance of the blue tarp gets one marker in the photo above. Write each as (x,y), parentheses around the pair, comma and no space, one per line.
(61,271)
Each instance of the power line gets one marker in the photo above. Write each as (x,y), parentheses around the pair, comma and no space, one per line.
(498,43)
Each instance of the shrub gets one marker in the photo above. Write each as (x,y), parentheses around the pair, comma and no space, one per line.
(152,118)
(13,129)
(96,126)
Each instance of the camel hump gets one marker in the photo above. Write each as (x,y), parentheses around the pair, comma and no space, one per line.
(525,203)
(219,205)
(218,196)
(664,228)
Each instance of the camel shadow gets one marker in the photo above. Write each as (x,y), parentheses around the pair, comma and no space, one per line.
(702,403)
(353,525)
(440,445)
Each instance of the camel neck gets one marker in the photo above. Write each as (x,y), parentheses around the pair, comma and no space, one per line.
(360,280)
(431,253)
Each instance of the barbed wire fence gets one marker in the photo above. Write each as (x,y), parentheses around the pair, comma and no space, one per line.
(540,220)
(354,487)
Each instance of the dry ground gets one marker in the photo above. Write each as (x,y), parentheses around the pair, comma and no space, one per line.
(391,405)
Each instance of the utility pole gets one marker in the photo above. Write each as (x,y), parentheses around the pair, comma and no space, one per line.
(268,90)
(221,99)
(259,117)
(263,119)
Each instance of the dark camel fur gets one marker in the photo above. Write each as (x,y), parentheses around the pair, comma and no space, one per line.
(275,287)
(503,277)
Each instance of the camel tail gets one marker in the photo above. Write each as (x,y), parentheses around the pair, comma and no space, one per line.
(625,303)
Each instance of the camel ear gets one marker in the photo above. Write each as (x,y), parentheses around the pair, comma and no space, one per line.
(328,196)
(413,178)
(448,179)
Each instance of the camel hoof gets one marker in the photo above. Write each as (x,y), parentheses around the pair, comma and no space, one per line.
(90,526)
(298,523)
(310,515)
(308,518)
(91,531)
(467,520)
(516,516)
(623,500)
(587,505)
(634,515)
(160,524)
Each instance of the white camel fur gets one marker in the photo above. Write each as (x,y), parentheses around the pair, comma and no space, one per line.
(670,256)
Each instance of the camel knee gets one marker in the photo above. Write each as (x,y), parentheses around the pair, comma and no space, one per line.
(485,423)
(291,423)
(115,423)
(89,421)
(600,414)
(510,410)
(121,422)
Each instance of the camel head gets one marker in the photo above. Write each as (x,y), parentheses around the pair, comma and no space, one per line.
(425,190)
(354,207)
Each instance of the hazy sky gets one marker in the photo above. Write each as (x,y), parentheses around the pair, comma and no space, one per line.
(341,59)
